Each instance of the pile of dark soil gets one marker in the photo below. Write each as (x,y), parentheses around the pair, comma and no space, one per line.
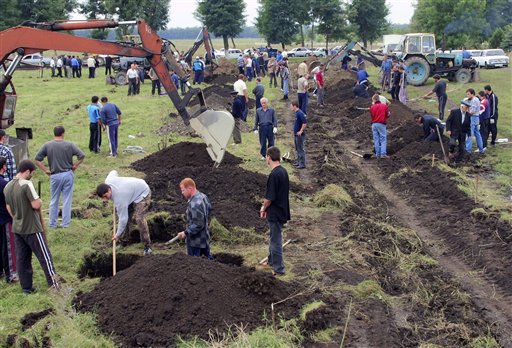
(235,193)
(165,296)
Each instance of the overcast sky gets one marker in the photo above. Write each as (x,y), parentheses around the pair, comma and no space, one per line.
(181,12)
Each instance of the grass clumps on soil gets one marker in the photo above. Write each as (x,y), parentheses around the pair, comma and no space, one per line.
(479,214)
(332,196)
(310,307)
(369,289)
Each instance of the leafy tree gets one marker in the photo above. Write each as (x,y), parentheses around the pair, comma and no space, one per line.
(10,14)
(498,13)
(368,18)
(331,22)
(507,39)
(302,15)
(222,17)
(496,38)
(276,21)
(95,9)
(154,12)
(456,22)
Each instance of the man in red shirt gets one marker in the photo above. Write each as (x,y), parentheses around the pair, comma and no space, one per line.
(320,86)
(380,115)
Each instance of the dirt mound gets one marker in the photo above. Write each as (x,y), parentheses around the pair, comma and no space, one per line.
(229,187)
(165,296)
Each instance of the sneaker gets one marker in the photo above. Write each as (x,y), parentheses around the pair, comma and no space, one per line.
(277,274)
(384,157)
(29,291)
(147,251)
(262,158)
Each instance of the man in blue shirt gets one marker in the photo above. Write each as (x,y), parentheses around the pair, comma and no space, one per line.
(387,64)
(362,76)
(74,67)
(198,68)
(299,134)
(93,110)
(111,118)
(266,125)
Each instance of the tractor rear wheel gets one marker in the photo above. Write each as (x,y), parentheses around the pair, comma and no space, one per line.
(121,78)
(418,70)
(463,75)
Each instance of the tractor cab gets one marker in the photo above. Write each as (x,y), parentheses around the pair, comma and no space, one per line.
(418,45)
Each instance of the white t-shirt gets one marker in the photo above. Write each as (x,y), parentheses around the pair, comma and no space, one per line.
(132,73)
(315,71)
(240,86)
(248,63)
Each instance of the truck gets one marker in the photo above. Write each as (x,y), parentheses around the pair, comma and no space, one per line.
(390,43)
(215,127)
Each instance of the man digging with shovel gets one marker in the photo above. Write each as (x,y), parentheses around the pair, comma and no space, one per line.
(128,192)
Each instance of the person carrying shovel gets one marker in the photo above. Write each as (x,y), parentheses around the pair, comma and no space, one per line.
(128,192)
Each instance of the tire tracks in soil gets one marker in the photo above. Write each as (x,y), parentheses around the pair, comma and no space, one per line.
(485,293)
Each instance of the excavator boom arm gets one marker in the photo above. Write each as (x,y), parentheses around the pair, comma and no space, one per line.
(215,127)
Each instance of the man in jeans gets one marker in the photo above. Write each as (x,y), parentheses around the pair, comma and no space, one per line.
(61,170)
(130,196)
(111,118)
(276,209)
(266,125)
(474,111)
(299,134)
(380,115)
(320,84)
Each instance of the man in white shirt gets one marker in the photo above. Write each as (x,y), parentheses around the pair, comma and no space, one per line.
(133,77)
(52,66)
(91,64)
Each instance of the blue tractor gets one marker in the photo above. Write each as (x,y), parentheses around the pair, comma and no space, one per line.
(422,60)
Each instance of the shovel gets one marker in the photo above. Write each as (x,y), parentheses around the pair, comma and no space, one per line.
(170,241)
(364,156)
(266,258)
(446,159)
(358,108)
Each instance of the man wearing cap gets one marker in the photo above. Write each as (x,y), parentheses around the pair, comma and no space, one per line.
(440,91)
(198,68)
(457,128)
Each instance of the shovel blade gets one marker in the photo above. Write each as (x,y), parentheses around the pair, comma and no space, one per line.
(215,127)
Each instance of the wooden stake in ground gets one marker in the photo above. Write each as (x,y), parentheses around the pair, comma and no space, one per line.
(433,159)
(114,241)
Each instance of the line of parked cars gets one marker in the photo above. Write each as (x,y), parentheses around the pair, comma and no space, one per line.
(491,58)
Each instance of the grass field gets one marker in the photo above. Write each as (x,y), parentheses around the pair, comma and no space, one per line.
(45,103)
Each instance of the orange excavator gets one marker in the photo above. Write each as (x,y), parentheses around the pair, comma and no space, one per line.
(215,127)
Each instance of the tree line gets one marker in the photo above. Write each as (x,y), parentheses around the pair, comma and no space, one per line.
(455,23)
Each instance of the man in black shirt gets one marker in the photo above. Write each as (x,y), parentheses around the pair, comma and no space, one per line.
(440,91)
(430,125)
(276,208)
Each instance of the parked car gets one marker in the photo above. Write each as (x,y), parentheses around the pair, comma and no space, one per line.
(35,59)
(493,58)
(319,52)
(300,52)
(233,53)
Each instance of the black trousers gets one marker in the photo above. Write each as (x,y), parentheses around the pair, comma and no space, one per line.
(108,70)
(155,84)
(460,142)
(26,244)
(395,90)
(442,104)
(484,130)
(92,72)
(493,129)
(5,252)
(95,137)
(59,72)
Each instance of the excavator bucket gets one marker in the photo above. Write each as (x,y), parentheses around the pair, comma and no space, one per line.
(215,127)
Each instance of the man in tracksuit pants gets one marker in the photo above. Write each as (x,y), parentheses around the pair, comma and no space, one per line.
(23,204)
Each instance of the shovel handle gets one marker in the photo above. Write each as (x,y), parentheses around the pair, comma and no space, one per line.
(170,241)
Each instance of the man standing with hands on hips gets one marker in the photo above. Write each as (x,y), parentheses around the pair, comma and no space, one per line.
(276,209)
(60,155)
